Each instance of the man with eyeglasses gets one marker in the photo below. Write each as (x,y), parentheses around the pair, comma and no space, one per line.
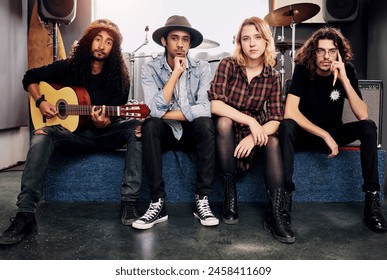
(322,79)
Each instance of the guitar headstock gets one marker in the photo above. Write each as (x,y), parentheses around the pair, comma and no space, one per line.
(134,110)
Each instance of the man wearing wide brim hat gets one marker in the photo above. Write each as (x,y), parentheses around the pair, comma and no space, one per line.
(175,88)
(178,23)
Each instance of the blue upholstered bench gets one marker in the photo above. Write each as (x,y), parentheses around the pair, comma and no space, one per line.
(97,177)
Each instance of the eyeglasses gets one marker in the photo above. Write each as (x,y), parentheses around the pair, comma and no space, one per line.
(322,52)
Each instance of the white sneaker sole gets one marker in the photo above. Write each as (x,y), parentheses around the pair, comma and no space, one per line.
(207,223)
(141,225)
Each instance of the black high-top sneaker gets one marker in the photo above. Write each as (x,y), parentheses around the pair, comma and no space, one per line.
(22,225)
(203,211)
(373,216)
(128,212)
(156,213)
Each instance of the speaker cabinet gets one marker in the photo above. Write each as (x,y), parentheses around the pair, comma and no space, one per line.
(372,92)
(340,10)
(60,11)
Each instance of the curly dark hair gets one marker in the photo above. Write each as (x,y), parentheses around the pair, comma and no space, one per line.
(306,55)
(114,73)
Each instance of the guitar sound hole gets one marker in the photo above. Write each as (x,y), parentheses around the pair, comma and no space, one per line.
(61,107)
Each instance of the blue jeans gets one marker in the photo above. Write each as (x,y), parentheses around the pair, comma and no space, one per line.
(43,146)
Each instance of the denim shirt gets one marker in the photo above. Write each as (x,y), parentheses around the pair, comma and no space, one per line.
(193,103)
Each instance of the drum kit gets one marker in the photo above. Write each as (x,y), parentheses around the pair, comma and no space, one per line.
(290,15)
(285,16)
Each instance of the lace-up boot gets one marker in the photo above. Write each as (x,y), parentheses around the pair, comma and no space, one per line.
(288,201)
(22,225)
(156,213)
(128,212)
(275,221)
(373,216)
(203,211)
(230,204)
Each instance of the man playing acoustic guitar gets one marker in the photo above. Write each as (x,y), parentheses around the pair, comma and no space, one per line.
(96,64)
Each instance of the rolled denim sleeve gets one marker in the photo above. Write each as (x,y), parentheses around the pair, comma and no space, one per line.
(201,106)
(153,91)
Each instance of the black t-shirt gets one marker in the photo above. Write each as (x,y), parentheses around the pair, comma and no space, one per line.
(320,102)
(61,73)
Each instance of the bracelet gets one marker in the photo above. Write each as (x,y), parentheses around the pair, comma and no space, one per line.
(39,101)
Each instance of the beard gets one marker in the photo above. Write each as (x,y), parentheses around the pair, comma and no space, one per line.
(98,56)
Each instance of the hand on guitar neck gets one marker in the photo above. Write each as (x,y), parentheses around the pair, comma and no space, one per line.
(73,109)
(99,117)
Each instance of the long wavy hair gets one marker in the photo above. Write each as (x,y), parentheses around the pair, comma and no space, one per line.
(306,55)
(115,73)
(263,29)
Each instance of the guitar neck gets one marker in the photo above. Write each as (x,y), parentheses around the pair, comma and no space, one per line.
(83,110)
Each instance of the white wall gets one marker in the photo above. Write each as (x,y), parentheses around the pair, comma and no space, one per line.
(14,132)
(14,145)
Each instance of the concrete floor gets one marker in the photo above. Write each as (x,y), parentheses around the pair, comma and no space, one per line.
(93,231)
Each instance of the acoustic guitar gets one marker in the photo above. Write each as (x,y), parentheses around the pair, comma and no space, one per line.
(74,109)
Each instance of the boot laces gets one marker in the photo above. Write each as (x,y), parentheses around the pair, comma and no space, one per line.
(375,205)
(279,210)
(287,201)
(229,191)
(17,224)
(131,209)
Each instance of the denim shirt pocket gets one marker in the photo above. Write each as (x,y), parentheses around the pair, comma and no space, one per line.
(193,86)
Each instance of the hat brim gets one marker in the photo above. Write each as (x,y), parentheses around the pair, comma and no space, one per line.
(196,36)
(117,34)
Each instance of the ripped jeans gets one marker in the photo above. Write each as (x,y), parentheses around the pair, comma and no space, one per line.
(44,142)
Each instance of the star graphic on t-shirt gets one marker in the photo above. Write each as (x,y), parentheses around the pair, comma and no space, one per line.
(335,95)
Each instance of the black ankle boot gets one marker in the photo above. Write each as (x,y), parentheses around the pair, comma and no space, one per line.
(288,201)
(21,226)
(230,204)
(275,221)
(128,212)
(373,216)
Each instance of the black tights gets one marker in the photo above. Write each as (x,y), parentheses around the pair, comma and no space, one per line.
(225,146)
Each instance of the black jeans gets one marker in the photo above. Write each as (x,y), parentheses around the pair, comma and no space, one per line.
(43,146)
(292,138)
(198,136)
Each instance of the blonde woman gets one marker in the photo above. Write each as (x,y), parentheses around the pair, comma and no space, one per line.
(247,104)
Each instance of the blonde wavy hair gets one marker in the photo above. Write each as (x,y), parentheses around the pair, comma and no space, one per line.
(264,30)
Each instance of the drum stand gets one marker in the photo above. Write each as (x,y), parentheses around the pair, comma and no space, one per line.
(282,59)
(293,27)
(131,62)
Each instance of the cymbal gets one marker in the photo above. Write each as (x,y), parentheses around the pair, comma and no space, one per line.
(295,13)
(208,44)
(287,45)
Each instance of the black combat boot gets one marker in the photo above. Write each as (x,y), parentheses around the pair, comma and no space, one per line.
(373,216)
(275,221)
(230,214)
(288,201)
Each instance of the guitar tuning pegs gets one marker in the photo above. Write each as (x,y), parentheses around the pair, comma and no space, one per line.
(133,101)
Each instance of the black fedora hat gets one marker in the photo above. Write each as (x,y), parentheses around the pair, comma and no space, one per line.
(178,23)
